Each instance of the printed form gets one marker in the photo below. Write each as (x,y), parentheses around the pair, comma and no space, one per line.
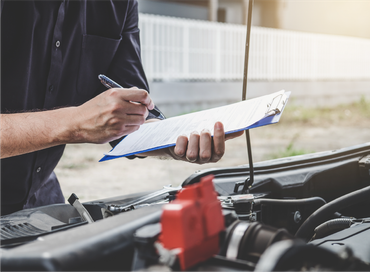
(235,117)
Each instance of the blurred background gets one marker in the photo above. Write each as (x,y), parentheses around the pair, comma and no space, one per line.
(193,55)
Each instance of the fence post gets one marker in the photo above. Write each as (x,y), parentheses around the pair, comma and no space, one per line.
(218,55)
(185,53)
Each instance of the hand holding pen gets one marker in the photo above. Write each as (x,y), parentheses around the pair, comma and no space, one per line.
(107,82)
(108,116)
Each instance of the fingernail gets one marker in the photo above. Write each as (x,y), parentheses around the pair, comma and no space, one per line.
(218,125)
(151,105)
(190,160)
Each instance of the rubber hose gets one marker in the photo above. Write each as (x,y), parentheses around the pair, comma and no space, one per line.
(294,256)
(311,200)
(332,226)
(321,215)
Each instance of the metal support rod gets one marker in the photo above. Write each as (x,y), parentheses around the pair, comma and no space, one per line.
(212,10)
(245,82)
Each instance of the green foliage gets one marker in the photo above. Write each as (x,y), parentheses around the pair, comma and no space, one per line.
(290,150)
(364,106)
(346,114)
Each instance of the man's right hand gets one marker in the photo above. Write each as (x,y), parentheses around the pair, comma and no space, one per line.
(111,115)
(108,116)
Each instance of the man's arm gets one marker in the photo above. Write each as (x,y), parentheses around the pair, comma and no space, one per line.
(104,118)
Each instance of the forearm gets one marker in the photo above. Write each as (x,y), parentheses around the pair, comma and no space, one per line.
(31,131)
(102,119)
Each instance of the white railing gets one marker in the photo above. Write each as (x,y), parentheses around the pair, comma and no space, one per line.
(183,49)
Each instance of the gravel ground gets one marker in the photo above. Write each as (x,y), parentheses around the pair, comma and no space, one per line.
(80,172)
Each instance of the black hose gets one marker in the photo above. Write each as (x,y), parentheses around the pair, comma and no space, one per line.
(297,256)
(332,226)
(311,200)
(324,213)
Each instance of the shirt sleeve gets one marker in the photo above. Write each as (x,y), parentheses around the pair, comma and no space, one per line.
(1,7)
(126,66)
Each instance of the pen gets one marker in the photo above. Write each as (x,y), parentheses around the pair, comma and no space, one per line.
(107,82)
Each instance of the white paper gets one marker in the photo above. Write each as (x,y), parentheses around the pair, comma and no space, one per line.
(155,135)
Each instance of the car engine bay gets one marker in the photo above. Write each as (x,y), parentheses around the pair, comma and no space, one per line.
(307,212)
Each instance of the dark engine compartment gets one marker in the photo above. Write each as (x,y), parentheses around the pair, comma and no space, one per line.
(309,212)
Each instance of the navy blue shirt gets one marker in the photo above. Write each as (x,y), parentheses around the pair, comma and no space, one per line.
(51,55)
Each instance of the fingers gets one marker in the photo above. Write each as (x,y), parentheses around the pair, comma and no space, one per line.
(193,147)
(205,146)
(134,108)
(132,120)
(133,94)
(202,148)
(112,114)
(218,142)
(181,146)
(129,112)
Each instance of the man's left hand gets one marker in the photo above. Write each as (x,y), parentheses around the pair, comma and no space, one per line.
(202,148)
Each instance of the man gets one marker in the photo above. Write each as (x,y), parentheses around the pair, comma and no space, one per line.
(51,55)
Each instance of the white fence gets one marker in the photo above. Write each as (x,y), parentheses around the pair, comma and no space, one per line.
(183,49)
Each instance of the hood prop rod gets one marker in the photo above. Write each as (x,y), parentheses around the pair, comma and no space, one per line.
(249,181)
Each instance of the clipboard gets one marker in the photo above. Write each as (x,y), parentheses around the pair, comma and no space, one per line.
(244,115)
